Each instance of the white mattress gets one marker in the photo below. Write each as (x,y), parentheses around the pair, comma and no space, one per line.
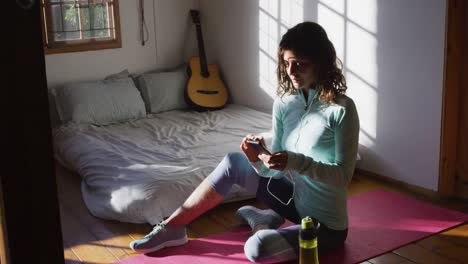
(142,170)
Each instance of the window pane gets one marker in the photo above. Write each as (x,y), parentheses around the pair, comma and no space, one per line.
(101,33)
(95,21)
(73,24)
(57,18)
(65,22)
(85,17)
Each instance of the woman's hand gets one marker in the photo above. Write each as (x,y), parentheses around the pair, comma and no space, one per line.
(275,161)
(249,151)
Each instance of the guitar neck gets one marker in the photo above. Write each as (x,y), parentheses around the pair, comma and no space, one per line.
(201,53)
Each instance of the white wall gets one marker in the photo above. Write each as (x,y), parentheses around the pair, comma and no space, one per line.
(171,41)
(393,53)
(231,39)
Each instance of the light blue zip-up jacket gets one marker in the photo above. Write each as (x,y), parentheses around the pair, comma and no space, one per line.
(322,143)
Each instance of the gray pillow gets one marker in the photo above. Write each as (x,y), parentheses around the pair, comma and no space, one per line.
(163,91)
(119,75)
(122,75)
(99,102)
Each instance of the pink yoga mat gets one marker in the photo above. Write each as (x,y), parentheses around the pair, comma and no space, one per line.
(379,222)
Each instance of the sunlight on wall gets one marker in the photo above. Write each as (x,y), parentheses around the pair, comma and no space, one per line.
(361,54)
(365,97)
(334,23)
(275,17)
(337,6)
(363,13)
(292,13)
(351,26)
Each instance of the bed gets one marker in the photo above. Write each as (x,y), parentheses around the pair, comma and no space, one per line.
(141,170)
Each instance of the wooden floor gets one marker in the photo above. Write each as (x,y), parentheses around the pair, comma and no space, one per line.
(89,240)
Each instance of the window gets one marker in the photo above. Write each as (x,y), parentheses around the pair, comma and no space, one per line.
(79,25)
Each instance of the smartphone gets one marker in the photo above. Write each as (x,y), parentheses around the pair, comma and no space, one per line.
(258,146)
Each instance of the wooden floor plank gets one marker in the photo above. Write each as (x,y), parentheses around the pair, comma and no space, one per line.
(71,199)
(125,233)
(84,244)
(92,240)
(224,214)
(69,255)
(436,242)
(419,254)
(205,226)
(458,235)
(456,253)
(389,258)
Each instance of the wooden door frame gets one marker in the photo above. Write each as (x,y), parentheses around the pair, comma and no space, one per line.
(453,74)
(29,190)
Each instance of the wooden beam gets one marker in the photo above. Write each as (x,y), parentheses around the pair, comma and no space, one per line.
(29,194)
(450,106)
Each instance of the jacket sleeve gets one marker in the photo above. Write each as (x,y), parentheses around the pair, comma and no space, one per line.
(340,172)
(277,131)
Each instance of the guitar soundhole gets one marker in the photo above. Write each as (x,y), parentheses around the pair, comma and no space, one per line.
(207,92)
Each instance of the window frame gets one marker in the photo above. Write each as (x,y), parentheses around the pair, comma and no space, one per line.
(53,47)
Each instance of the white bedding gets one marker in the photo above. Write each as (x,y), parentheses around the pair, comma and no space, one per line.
(140,171)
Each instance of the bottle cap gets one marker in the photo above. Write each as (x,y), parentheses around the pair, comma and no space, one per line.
(307,222)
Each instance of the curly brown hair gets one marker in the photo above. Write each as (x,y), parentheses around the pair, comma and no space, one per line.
(309,40)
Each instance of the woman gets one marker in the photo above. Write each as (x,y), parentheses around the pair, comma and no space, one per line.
(314,149)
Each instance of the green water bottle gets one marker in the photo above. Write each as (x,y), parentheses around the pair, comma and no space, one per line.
(308,251)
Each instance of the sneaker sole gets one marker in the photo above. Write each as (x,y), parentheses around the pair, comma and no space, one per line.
(170,243)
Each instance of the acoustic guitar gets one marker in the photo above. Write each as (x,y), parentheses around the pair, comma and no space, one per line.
(205,90)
